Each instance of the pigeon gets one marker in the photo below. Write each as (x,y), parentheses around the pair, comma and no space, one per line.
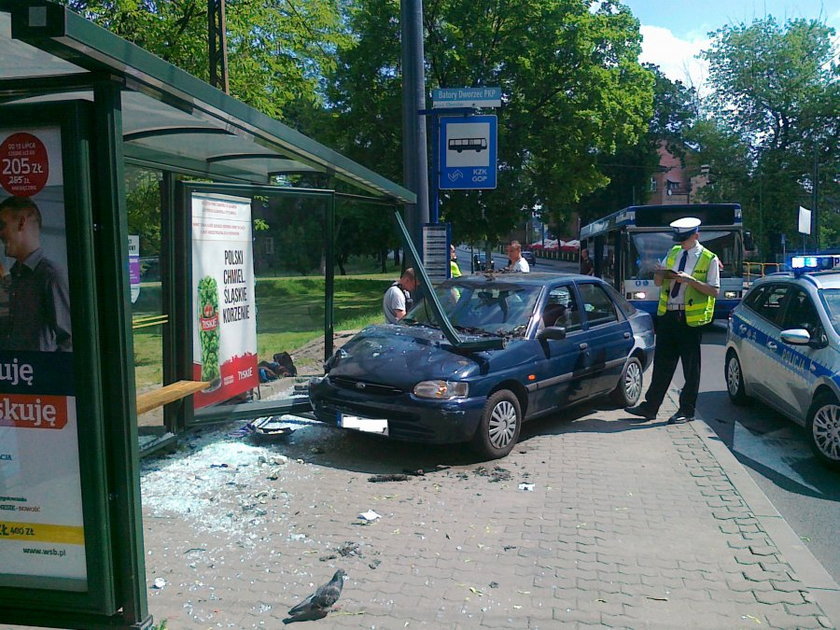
(317,605)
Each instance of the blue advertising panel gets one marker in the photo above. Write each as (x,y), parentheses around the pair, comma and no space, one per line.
(467,152)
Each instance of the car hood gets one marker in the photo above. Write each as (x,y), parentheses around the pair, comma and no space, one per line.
(403,356)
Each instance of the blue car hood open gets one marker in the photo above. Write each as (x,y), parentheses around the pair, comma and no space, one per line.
(402,356)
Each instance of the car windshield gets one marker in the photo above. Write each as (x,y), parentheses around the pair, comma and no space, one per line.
(478,309)
(831,299)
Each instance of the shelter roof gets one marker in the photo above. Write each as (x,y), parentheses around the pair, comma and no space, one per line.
(171,120)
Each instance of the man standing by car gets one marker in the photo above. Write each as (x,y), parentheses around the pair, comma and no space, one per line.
(397,300)
(517,263)
(688,281)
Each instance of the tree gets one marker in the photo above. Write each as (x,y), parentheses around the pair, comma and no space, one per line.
(776,93)
(572,91)
(278,52)
(629,168)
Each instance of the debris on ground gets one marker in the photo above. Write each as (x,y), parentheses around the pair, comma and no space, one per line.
(369,516)
(388,477)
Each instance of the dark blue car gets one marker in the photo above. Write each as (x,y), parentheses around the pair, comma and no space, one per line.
(567,338)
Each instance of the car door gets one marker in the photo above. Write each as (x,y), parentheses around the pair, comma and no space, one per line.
(759,331)
(560,363)
(795,372)
(607,338)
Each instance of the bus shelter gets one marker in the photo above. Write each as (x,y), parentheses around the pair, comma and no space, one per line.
(80,111)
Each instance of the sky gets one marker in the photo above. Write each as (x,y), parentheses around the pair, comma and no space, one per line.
(674,31)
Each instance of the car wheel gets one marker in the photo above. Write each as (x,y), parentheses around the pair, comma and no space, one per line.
(500,424)
(824,430)
(735,380)
(629,388)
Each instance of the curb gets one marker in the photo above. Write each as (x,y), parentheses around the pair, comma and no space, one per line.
(816,580)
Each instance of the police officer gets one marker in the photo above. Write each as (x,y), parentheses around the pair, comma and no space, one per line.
(689,281)
(454,269)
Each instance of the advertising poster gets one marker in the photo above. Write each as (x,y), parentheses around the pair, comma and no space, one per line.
(42,536)
(134,266)
(225,330)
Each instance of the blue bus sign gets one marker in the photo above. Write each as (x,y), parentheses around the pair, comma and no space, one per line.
(467,152)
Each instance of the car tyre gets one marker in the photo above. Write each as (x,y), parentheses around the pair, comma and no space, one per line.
(823,428)
(734,377)
(501,422)
(629,388)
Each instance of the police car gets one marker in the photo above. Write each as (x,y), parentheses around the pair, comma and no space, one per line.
(783,348)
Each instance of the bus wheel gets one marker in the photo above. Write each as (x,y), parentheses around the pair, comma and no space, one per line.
(629,388)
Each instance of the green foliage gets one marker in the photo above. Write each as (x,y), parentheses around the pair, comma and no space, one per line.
(572,90)
(630,166)
(775,102)
(143,209)
(277,52)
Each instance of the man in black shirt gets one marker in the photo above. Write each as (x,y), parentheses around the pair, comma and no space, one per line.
(39,300)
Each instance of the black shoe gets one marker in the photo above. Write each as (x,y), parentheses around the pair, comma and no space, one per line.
(642,411)
(680,418)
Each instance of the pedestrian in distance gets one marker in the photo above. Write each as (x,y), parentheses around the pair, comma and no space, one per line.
(586,266)
(397,300)
(517,263)
(454,269)
(689,282)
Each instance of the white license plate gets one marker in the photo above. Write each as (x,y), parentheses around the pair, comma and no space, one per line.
(368,425)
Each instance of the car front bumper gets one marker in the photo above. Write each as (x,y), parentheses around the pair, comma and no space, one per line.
(409,418)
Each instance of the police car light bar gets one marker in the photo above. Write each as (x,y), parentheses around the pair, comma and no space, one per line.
(804,264)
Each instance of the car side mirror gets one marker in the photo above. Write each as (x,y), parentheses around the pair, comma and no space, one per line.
(749,243)
(552,332)
(796,336)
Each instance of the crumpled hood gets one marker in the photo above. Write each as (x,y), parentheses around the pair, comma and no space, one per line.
(402,356)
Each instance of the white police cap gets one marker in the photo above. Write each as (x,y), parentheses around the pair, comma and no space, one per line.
(685,227)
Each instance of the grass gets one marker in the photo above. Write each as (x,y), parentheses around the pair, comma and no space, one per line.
(290,313)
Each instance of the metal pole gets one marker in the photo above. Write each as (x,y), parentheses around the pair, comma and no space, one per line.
(814,194)
(415,157)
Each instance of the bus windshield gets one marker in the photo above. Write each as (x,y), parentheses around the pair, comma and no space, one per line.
(649,248)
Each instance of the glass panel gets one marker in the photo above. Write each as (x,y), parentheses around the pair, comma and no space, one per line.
(771,302)
(148,318)
(597,304)
(729,248)
(649,248)
(831,299)
(562,309)
(474,309)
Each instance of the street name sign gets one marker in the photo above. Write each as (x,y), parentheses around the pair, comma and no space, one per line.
(467,97)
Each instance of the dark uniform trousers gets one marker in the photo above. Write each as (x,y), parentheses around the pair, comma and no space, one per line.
(675,341)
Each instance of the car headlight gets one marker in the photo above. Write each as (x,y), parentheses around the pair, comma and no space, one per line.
(441,390)
(730,295)
(639,295)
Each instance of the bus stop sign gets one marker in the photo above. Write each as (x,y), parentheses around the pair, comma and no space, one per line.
(467,152)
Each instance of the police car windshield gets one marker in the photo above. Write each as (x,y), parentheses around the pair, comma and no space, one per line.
(499,310)
(831,299)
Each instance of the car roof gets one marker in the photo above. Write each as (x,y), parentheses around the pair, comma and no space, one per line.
(818,279)
(490,278)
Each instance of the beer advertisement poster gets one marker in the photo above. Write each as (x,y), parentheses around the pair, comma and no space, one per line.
(42,534)
(225,330)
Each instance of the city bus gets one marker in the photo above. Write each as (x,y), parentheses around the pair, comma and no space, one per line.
(626,246)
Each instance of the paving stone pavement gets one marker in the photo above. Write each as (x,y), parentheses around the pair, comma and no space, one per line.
(595,519)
